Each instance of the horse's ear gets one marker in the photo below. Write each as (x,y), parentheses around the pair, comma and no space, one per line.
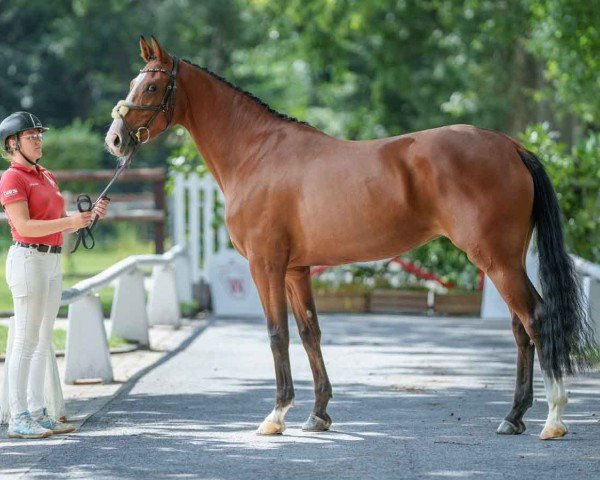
(159,53)
(145,50)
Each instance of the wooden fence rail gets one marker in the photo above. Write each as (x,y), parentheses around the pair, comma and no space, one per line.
(156,176)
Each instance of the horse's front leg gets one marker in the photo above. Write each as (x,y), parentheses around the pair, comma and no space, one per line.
(303,305)
(269,276)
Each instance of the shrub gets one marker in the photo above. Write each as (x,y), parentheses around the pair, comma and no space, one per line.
(575,173)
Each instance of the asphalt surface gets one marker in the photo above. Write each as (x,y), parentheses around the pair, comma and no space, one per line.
(414,397)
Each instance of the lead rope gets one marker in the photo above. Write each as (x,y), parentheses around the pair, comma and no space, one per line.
(84,204)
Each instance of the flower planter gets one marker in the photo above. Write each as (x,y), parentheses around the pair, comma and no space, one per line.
(329,302)
(399,301)
(458,303)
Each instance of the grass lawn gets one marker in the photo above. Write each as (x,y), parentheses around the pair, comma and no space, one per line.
(59,339)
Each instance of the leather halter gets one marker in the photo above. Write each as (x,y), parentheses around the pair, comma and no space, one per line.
(166,106)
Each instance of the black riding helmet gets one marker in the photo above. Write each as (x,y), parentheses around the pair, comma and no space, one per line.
(16,123)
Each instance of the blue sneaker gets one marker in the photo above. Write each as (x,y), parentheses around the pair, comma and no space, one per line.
(55,426)
(25,427)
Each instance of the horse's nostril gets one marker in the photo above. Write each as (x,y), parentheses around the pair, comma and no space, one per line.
(117,141)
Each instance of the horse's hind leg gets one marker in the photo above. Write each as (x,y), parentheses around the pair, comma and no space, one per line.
(513,423)
(269,277)
(520,295)
(557,399)
(301,298)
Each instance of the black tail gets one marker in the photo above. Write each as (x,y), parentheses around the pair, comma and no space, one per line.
(567,339)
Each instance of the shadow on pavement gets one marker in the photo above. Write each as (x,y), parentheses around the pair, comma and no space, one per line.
(413,398)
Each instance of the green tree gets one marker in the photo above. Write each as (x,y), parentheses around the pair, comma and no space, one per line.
(565,35)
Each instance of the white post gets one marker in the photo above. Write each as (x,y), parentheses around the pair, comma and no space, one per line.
(194,225)
(128,312)
(87,353)
(183,278)
(208,231)
(223,234)
(53,394)
(591,294)
(163,303)
(5,405)
(179,210)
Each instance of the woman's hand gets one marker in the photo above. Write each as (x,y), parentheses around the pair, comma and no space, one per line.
(81,220)
(101,207)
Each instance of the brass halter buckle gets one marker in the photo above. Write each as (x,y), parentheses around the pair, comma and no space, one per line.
(138,134)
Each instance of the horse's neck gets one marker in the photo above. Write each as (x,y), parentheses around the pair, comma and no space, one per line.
(225,124)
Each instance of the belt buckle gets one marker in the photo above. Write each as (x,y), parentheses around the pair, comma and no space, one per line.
(43,248)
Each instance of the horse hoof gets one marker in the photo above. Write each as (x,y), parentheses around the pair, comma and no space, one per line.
(317,424)
(269,427)
(507,428)
(553,430)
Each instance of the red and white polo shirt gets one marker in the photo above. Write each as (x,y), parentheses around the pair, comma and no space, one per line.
(40,189)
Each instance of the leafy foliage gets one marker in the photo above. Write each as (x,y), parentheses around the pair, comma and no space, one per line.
(575,172)
(566,36)
(353,68)
(75,146)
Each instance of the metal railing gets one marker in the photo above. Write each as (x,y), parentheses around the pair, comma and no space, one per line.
(129,264)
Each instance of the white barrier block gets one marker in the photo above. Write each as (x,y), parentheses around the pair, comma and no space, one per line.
(87,354)
(492,304)
(5,407)
(232,290)
(163,301)
(128,312)
(591,295)
(183,278)
(53,396)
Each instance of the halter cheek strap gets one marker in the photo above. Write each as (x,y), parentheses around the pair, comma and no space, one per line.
(139,135)
(166,106)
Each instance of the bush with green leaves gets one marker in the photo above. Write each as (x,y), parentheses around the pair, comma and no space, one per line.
(74,147)
(575,173)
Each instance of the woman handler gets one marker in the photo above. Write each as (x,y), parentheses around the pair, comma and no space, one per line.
(35,209)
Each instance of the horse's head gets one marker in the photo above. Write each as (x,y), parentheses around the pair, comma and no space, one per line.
(150,105)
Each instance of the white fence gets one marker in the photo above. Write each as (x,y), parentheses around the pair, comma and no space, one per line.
(87,353)
(590,273)
(195,204)
(198,210)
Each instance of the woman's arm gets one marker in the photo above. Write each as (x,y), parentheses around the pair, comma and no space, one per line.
(67,231)
(26,227)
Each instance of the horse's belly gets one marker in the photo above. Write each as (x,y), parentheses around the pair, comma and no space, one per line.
(332,240)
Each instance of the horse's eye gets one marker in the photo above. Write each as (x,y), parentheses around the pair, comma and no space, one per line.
(152,88)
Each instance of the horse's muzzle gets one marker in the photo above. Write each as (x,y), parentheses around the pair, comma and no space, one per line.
(118,143)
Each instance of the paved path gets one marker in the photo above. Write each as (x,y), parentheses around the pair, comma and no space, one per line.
(413,398)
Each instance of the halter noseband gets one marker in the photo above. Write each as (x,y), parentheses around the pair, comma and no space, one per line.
(166,106)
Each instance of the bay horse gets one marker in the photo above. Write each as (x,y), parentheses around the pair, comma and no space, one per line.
(296,197)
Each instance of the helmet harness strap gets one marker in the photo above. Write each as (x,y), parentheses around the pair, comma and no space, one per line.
(18,149)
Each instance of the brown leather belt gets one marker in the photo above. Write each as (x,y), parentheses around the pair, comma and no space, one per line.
(40,247)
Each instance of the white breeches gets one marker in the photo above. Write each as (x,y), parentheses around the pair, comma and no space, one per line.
(35,281)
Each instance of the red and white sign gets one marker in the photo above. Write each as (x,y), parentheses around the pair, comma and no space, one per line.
(232,289)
